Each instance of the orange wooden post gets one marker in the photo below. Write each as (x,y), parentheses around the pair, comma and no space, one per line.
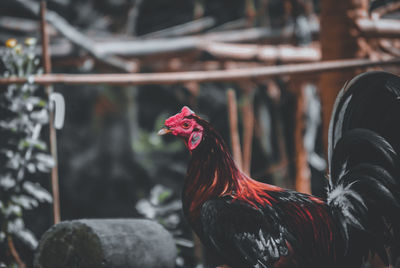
(233,126)
(340,38)
(303,174)
(53,137)
(248,128)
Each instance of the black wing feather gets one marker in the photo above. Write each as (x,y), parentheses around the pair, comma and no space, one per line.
(242,234)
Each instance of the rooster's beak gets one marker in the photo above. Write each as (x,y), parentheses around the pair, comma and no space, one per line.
(164,131)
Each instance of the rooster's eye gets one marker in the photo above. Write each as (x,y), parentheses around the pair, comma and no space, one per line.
(185,125)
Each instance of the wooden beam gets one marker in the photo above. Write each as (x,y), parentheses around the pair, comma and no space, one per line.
(390,47)
(230,25)
(284,53)
(27,26)
(385,9)
(144,47)
(190,27)
(58,49)
(199,76)
(387,28)
(106,50)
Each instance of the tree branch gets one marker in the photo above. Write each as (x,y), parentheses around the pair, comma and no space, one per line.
(14,253)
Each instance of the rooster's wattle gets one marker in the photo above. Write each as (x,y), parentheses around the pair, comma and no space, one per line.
(246,223)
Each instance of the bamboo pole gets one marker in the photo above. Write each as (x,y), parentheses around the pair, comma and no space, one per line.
(53,136)
(233,127)
(199,76)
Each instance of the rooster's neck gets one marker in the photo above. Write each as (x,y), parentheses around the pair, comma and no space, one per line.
(212,173)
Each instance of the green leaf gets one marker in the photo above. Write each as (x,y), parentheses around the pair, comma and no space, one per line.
(42,103)
(164,196)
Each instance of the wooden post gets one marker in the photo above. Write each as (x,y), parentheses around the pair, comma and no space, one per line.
(248,128)
(303,174)
(198,10)
(250,11)
(233,126)
(53,137)
(339,39)
(45,39)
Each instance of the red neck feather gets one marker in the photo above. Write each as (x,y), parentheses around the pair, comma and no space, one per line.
(213,173)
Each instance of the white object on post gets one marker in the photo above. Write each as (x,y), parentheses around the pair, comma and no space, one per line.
(57,103)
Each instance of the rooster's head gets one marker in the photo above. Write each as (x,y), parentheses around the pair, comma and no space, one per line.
(184,125)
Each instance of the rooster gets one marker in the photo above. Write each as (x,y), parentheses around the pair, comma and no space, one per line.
(246,223)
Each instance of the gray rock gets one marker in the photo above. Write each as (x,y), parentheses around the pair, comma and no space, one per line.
(111,243)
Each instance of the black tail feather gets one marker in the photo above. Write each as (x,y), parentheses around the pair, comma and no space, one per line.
(364,142)
(362,145)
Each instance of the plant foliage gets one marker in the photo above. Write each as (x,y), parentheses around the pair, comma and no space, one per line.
(23,155)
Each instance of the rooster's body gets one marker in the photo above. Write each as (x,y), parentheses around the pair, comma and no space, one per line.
(246,223)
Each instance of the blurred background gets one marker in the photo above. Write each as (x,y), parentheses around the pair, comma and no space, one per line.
(111,163)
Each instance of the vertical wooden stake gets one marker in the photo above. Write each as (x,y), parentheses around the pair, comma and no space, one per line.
(198,10)
(198,248)
(250,10)
(53,137)
(351,45)
(303,175)
(45,39)
(233,126)
(248,129)
(263,14)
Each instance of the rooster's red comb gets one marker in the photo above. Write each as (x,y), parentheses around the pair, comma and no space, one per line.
(185,111)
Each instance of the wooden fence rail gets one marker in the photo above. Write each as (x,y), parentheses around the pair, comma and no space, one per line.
(198,76)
